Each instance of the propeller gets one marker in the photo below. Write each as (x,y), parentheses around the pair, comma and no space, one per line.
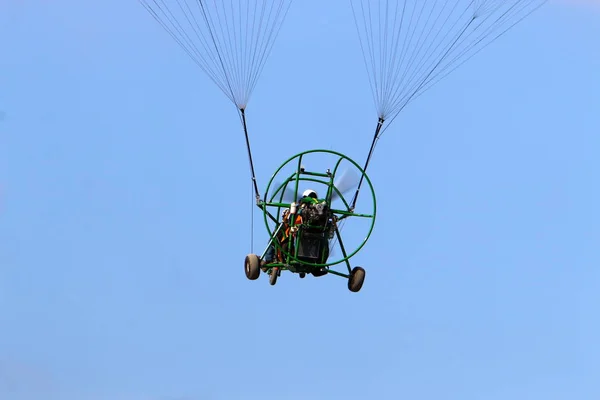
(346,181)
(289,194)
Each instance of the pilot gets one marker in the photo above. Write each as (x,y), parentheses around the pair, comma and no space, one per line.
(309,198)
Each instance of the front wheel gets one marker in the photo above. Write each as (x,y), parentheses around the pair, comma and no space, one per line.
(356,280)
(252,266)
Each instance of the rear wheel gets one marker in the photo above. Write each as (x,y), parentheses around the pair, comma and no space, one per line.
(252,266)
(273,277)
(356,280)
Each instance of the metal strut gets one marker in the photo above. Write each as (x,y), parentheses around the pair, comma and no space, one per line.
(375,138)
(243,116)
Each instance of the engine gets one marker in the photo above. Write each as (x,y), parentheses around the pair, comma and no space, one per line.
(317,214)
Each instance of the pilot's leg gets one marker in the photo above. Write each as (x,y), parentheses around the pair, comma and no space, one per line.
(269,255)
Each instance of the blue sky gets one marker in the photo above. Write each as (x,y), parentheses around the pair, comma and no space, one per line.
(125,217)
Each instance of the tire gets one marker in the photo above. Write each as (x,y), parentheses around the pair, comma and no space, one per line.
(252,266)
(273,276)
(356,280)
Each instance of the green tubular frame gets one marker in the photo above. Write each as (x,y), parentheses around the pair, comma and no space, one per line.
(292,262)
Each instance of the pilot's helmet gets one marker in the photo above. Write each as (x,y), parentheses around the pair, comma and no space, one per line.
(309,193)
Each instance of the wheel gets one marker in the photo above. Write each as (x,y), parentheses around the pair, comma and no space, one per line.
(273,277)
(252,266)
(356,280)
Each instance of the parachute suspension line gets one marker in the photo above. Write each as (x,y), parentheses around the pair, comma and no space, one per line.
(436,75)
(243,118)
(171,20)
(403,103)
(264,50)
(373,143)
(410,45)
(407,99)
(230,40)
(231,94)
(458,59)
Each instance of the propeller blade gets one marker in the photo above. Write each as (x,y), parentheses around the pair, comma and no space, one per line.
(289,195)
(348,180)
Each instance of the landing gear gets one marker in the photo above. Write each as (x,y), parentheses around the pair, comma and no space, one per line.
(252,266)
(356,280)
(273,277)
